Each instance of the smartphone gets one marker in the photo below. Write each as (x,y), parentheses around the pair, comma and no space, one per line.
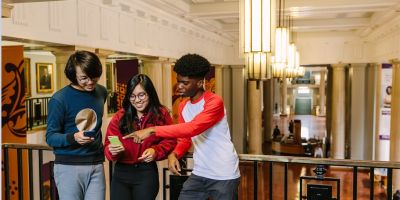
(114,140)
(89,133)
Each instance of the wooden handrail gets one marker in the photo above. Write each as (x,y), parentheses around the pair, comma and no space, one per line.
(26,146)
(320,161)
(265,158)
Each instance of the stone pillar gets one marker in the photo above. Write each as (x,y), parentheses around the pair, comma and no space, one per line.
(322,99)
(6,10)
(357,132)
(62,54)
(218,80)
(238,102)
(284,97)
(103,55)
(276,95)
(166,97)
(227,92)
(268,111)
(370,110)
(394,122)
(254,116)
(154,69)
(338,112)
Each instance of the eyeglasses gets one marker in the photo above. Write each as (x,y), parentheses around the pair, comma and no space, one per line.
(87,79)
(141,96)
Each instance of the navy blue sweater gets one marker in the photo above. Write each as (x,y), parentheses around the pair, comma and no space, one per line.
(70,111)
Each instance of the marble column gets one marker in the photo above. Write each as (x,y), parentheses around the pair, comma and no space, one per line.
(370,118)
(276,95)
(357,112)
(238,102)
(62,54)
(284,97)
(254,89)
(322,97)
(166,97)
(103,55)
(218,80)
(394,122)
(154,69)
(227,92)
(338,112)
(268,111)
(378,154)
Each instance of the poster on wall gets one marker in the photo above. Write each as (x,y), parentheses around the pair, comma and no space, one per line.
(125,70)
(384,118)
(13,120)
(176,99)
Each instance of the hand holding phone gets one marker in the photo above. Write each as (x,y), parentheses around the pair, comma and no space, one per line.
(91,134)
(114,140)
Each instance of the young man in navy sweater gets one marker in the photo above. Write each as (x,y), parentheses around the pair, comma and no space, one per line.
(74,130)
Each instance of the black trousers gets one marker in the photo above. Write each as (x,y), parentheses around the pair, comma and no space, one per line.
(135,181)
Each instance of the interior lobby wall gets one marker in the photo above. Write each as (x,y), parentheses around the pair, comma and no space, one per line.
(331,47)
(144,30)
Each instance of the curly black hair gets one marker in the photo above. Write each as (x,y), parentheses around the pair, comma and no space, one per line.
(192,65)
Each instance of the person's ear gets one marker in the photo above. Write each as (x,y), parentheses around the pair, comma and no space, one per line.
(200,83)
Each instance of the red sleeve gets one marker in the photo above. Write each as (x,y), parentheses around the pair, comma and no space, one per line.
(112,129)
(184,144)
(212,113)
(182,147)
(166,145)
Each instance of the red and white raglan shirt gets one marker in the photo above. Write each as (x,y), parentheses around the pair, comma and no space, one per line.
(205,122)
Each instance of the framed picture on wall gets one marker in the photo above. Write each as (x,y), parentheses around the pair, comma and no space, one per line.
(27,76)
(44,77)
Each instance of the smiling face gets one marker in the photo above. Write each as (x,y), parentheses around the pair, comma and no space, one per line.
(139,99)
(84,82)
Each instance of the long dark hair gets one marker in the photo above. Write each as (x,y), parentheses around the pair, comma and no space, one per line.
(126,124)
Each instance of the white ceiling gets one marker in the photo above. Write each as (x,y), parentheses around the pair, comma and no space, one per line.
(222,16)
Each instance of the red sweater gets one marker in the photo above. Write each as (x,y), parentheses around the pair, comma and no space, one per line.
(133,151)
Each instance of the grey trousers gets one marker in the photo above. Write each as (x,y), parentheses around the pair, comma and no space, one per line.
(80,182)
(197,187)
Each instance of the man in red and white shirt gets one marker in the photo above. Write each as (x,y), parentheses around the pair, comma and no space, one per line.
(202,120)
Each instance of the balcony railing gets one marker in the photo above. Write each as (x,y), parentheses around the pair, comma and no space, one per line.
(36,111)
(267,177)
(262,176)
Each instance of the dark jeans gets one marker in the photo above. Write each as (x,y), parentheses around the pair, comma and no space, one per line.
(197,187)
(135,181)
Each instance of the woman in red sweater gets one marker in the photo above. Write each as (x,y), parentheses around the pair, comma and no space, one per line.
(135,174)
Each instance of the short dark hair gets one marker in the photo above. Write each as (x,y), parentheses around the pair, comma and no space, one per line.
(192,65)
(87,61)
(154,106)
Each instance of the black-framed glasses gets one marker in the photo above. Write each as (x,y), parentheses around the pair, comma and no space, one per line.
(87,79)
(141,96)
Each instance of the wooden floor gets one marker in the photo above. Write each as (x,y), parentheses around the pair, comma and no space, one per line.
(312,127)
(294,172)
